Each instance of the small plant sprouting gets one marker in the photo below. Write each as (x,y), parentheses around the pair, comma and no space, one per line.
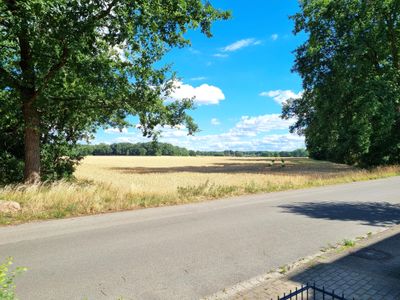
(7,278)
(348,243)
(282,163)
(283,269)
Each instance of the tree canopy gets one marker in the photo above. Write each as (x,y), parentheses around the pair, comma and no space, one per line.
(69,66)
(349,64)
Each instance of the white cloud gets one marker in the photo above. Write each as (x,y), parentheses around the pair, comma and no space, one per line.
(204,94)
(220,55)
(240,44)
(116,130)
(173,132)
(200,78)
(264,132)
(194,51)
(225,141)
(274,36)
(249,133)
(281,96)
(215,122)
(283,142)
(251,126)
(119,51)
(126,139)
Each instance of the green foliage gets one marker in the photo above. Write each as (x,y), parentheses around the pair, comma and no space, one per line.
(7,277)
(348,243)
(11,141)
(59,160)
(11,169)
(350,108)
(68,67)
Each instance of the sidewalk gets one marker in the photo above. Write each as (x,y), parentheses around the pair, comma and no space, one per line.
(368,271)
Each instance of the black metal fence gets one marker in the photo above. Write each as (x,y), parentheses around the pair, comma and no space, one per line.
(312,292)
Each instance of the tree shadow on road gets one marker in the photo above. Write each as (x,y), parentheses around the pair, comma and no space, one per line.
(369,213)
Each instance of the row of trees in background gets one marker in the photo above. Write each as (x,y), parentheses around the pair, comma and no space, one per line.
(350,66)
(156,149)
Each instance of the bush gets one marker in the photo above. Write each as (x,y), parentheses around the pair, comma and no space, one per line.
(11,169)
(57,162)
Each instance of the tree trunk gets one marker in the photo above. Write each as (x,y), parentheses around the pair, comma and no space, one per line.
(31,140)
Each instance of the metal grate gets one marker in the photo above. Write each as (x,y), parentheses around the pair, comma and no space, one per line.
(312,292)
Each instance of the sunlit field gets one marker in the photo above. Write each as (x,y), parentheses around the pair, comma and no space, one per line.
(165,175)
(115,183)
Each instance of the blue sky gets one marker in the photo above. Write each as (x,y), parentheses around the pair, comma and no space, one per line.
(239,77)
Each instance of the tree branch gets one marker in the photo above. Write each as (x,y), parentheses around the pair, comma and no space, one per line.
(63,59)
(105,12)
(53,70)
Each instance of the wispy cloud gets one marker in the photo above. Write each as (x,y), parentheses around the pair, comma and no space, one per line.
(274,36)
(240,44)
(221,55)
(281,96)
(116,130)
(215,122)
(200,78)
(194,51)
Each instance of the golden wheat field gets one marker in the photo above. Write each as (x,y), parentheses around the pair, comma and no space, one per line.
(165,174)
(114,183)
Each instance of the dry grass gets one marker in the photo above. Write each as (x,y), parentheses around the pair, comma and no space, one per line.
(120,183)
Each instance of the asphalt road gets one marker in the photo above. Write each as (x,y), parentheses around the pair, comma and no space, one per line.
(190,251)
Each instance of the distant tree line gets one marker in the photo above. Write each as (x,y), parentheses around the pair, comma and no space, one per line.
(165,149)
(139,149)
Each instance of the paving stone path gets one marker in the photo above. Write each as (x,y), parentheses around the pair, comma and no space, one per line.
(341,279)
(369,271)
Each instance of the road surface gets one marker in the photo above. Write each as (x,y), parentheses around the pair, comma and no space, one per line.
(190,251)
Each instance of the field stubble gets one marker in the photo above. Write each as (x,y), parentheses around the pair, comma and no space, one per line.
(113,183)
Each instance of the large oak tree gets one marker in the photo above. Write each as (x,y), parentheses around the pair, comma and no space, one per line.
(69,66)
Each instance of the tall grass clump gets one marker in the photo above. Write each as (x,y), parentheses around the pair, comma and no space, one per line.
(63,199)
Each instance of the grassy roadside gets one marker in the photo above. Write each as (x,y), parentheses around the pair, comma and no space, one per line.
(67,199)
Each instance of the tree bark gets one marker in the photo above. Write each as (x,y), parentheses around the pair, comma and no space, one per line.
(30,113)
(31,139)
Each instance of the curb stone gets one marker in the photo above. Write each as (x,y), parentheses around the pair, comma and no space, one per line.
(267,280)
